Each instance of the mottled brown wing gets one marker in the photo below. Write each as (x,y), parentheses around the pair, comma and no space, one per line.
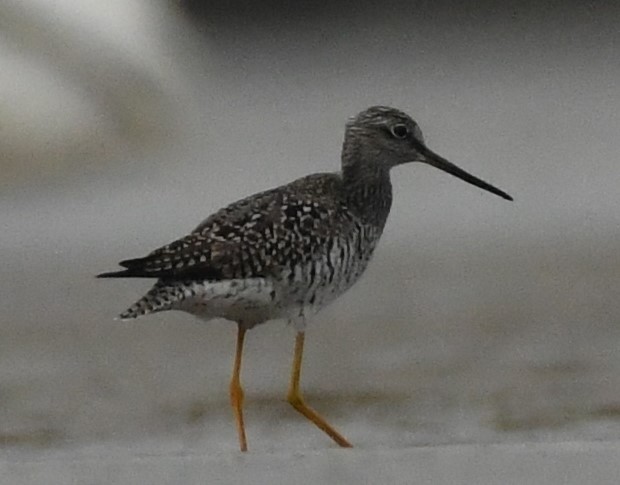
(253,237)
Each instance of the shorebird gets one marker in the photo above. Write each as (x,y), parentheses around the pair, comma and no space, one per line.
(288,252)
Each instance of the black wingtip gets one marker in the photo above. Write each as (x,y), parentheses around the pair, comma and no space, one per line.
(129,273)
(115,274)
(133,269)
(129,263)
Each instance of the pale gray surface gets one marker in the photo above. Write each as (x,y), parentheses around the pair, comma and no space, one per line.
(479,320)
(541,464)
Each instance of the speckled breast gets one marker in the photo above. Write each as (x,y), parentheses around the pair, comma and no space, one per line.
(310,286)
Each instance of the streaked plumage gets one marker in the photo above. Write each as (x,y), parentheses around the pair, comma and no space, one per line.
(289,251)
(283,253)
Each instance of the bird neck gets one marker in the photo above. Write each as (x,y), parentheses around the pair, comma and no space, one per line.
(368,190)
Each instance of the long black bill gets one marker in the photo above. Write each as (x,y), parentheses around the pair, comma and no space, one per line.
(441,163)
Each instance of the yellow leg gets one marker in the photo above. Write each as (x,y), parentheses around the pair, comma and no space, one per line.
(236,392)
(296,400)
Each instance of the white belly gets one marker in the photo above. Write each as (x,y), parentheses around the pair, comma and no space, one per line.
(248,302)
(295,295)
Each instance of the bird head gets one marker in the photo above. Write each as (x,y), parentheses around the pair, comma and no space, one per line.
(387,137)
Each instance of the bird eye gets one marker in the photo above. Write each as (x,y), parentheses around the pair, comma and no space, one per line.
(399,131)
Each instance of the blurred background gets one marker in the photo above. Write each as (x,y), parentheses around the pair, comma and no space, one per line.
(124,123)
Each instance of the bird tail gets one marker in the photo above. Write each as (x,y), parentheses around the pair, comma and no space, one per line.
(159,298)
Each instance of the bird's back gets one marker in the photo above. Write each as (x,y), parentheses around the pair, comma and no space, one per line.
(279,253)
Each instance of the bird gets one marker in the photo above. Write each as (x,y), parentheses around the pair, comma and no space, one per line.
(288,252)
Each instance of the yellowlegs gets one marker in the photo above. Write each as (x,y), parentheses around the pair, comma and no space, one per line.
(288,252)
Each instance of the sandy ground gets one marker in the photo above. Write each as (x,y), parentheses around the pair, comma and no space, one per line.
(543,464)
(482,339)
(459,348)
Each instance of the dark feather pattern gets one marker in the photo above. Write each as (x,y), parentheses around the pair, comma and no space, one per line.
(293,249)
(288,252)
(253,237)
